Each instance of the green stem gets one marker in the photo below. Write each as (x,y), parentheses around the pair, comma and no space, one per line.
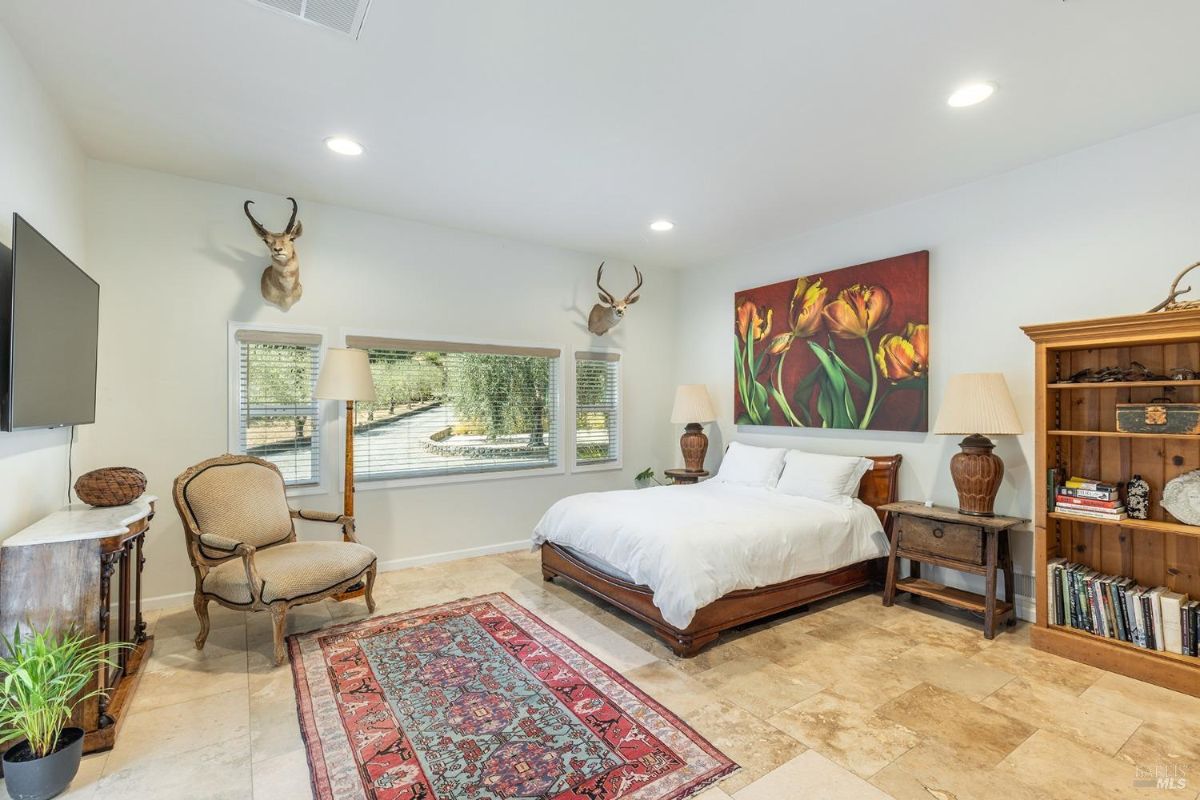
(781,398)
(870,412)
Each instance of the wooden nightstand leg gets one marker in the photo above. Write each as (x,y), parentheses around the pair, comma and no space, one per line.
(1009,590)
(889,584)
(989,599)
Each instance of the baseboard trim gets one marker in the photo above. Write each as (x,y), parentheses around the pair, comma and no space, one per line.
(178,599)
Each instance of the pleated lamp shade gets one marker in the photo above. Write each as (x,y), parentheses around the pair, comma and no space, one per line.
(692,404)
(345,375)
(977,402)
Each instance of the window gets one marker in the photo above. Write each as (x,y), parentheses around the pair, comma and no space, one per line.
(597,409)
(447,409)
(274,415)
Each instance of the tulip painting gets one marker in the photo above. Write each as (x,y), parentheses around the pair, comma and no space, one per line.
(842,349)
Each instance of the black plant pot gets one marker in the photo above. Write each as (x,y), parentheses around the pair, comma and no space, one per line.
(42,778)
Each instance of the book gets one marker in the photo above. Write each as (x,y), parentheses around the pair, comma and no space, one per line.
(1186,615)
(1156,617)
(1148,621)
(1087,502)
(1087,483)
(1092,513)
(1172,605)
(1109,494)
(1135,608)
(1054,591)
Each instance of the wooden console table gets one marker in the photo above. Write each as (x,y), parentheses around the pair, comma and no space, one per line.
(60,570)
(946,538)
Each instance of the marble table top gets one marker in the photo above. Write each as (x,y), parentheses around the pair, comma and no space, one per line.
(81,521)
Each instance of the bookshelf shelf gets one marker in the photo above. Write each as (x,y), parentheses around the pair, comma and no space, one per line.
(1075,436)
(1122,385)
(1157,526)
(1118,435)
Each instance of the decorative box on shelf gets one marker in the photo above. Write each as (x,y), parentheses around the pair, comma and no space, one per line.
(1158,416)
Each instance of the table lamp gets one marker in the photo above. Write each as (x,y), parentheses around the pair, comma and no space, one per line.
(346,375)
(692,407)
(977,405)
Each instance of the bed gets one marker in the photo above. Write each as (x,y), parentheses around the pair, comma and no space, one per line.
(692,610)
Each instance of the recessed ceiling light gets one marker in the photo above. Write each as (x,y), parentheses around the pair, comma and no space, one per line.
(971,94)
(661,225)
(344,146)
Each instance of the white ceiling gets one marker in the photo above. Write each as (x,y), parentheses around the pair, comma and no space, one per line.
(577,123)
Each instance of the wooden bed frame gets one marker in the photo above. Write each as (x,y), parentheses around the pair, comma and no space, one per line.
(736,608)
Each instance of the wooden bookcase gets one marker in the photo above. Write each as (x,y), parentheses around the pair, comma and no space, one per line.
(1076,432)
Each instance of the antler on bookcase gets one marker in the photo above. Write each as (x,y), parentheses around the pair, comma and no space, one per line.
(1172,302)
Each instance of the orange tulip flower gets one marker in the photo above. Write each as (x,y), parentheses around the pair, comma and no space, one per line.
(858,310)
(808,300)
(905,355)
(750,322)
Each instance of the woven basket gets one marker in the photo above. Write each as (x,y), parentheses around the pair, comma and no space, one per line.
(111,486)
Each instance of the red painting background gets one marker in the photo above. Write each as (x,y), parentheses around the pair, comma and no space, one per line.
(906,279)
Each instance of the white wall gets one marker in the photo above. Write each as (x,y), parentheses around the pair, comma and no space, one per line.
(177,260)
(1095,233)
(41,177)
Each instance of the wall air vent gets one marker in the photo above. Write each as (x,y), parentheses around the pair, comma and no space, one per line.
(343,16)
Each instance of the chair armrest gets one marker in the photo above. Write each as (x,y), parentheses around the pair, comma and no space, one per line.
(214,542)
(346,522)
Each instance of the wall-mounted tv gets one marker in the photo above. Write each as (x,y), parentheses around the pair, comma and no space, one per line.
(49,321)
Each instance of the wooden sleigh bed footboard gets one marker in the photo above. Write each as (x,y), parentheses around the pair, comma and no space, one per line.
(736,608)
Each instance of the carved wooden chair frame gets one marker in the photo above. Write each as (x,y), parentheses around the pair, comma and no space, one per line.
(203,563)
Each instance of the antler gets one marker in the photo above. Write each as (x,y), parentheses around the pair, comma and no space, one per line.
(632,296)
(605,295)
(1175,290)
(258,226)
(292,221)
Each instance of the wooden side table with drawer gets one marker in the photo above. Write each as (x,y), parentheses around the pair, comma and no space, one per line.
(945,538)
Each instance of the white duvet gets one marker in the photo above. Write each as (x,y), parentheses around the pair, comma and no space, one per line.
(693,544)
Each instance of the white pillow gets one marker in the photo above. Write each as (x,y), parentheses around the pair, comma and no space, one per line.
(832,479)
(751,466)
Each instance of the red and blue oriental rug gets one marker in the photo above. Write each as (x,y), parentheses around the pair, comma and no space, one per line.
(480,700)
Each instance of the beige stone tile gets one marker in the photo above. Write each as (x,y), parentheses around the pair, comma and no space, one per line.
(1051,708)
(932,771)
(674,689)
(810,775)
(925,627)
(176,678)
(1013,654)
(863,637)
(1146,701)
(283,776)
(848,733)
(221,642)
(757,684)
(218,771)
(274,723)
(871,681)
(712,793)
(951,670)
(182,621)
(978,734)
(755,745)
(611,648)
(178,728)
(1154,745)
(1067,770)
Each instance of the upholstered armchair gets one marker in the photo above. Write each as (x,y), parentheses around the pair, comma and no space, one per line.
(241,539)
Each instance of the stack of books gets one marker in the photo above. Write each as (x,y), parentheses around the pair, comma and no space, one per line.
(1117,607)
(1085,497)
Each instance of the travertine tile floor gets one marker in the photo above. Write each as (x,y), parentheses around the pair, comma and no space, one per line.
(847,700)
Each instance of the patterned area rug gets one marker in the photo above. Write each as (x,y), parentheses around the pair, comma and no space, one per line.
(479,700)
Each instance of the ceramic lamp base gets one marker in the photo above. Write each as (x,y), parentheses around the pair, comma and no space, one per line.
(977,473)
(694,445)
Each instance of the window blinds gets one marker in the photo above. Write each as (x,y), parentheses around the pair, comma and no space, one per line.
(447,408)
(597,408)
(277,415)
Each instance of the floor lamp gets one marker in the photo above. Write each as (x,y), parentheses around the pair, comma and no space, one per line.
(346,375)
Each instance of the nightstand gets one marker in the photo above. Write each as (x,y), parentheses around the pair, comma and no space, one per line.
(943,537)
(684,477)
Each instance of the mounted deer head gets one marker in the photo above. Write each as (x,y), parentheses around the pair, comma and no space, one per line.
(280,283)
(609,311)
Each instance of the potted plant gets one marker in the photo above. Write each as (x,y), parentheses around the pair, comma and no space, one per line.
(646,478)
(43,676)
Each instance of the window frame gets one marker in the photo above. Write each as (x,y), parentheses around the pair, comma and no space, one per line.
(232,422)
(619,461)
(560,402)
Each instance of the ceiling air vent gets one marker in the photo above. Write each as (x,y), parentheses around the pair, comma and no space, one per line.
(343,16)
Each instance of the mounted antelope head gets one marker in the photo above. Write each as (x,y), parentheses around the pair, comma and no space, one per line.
(609,311)
(281,279)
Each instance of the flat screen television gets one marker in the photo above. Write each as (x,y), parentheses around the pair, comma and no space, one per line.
(49,324)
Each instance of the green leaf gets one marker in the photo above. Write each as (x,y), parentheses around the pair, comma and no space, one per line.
(842,413)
